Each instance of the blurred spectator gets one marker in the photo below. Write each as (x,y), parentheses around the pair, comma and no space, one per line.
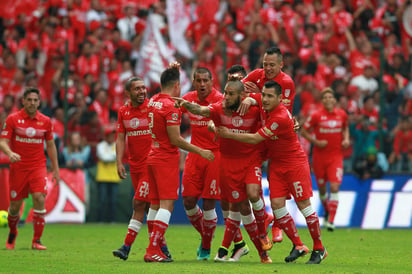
(106,176)
(401,157)
(364,136)
(366,82)
(76,154)
(126,25)
(96,12)
(8,106)
(92,130)
(369,165)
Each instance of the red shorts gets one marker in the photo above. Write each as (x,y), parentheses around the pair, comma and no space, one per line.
(140,180)
(201,177)
(163,182)
(327,169)
(235,174)
(23,182)
(284,181)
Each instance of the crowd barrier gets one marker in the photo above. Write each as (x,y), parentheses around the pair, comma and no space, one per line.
(368,204)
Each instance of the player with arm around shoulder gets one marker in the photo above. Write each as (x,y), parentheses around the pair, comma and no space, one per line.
(22,141)
(330,134)
(133,124)
(290,174)
(163,158)
(240,170)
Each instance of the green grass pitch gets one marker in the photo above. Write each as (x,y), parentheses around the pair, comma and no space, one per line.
(87,249)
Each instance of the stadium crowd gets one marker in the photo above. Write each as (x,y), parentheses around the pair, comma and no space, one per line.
(324,43)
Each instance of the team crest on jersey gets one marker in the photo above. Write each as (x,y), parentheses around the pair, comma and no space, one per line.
(134,123)
(274,126)
(235,194)
(237,121)
(13,194)
(175,116)
(30,132)
(332,123)
(287,92)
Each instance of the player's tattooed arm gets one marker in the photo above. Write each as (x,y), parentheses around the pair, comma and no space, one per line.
(192,107)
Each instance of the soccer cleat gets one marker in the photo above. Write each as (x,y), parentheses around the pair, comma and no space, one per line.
(317,256)
(297,252)
(265,259)
(156,255)
(266,243)
(238,251)
(277,234)
(330,226)
(166,251)
(122,252)
(221,255)
(269,220)
(37,245)
(204,254)
(11,240)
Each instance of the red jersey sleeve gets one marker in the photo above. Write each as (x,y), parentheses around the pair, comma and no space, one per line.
(48,135)
(288,88)
(8,128)
(311,122)
(173,117)
(120,125)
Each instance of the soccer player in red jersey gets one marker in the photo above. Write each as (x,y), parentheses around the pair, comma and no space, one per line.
(331,134)
(290,174)
(22,140)
(163,158)
(272,65)
(133,122)
(254,82)
(240,169)
(200,176)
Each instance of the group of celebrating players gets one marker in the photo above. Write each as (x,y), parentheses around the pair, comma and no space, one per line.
(232,134)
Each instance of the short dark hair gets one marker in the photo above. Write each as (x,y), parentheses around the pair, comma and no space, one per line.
(169,77)
(31,90)
(237,84)
(129,82)
(275,85)
(202,70)
(237,68)
(274,50)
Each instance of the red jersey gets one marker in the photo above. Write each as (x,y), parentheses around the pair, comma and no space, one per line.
(134,123)
(285,81)
(282,142)
(27,138)
(201,137)
(162,114)
(247,123)
(328,126)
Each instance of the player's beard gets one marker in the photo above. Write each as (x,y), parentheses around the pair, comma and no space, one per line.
(235,105)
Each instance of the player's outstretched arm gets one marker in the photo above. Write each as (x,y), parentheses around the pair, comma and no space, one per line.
(248,138)
(4,146)
(177,140)
(192,107)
